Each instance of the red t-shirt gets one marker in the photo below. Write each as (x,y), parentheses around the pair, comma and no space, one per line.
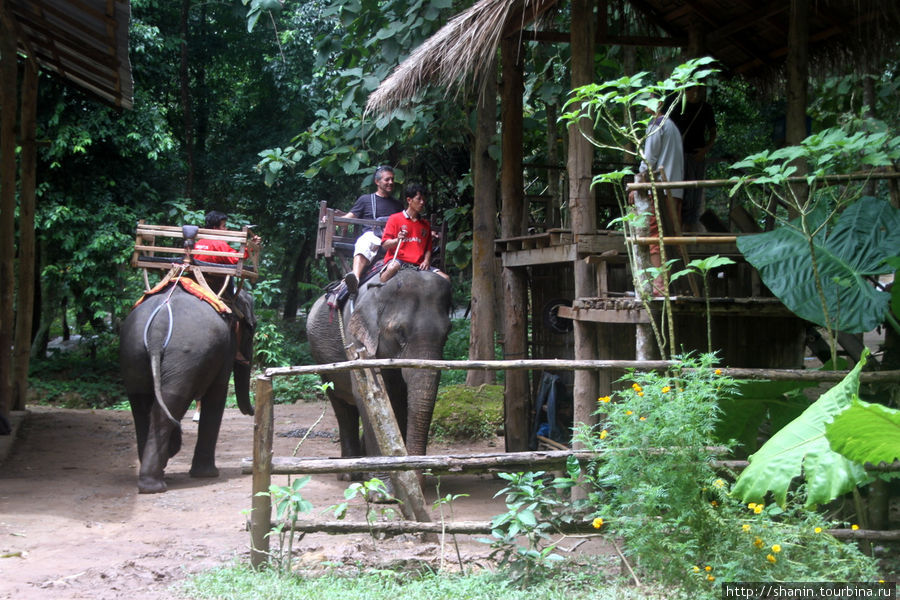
(216,246)
(417,242)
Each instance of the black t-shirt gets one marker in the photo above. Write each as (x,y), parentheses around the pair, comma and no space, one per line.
(693,123)
(373,206)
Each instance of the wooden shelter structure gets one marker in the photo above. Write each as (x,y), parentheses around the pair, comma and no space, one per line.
(85,43)
(775,41)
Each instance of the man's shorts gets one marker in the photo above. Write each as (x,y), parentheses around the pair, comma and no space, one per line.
(368,245)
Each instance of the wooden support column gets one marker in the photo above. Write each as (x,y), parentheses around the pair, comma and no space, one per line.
(8,109)
(797,83)
(484,228)
(582,206)
(261,513)
(25,289)
(517,398)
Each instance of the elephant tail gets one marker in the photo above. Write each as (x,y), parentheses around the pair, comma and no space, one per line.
(156,371)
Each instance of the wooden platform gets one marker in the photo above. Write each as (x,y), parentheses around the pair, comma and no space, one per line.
(627,309)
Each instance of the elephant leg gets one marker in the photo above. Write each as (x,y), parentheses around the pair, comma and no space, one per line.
(140,412)
(213,403)
(163,441)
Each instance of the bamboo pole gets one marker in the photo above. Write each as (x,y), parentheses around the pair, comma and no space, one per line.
(261,513)
(824,180)
(686,240)
(569,365)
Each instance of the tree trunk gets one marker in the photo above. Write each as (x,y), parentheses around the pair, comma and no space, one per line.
(481,336)
(25,300)
(797,89)
(185,84)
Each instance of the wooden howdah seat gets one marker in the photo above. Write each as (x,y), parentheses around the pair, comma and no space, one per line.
(162,247)
(336,237)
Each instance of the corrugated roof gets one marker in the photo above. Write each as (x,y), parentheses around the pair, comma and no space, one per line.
(82,41)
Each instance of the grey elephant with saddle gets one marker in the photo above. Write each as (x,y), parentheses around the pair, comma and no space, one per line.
(406,317)
(176,346)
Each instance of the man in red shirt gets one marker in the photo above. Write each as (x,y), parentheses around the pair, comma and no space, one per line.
(218,220)
(407,237)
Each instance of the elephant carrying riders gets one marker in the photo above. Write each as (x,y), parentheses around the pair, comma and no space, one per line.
(407,237)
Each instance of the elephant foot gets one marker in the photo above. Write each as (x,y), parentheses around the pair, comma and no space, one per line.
(207,471)
(387,496)
(147,485)
(349,476)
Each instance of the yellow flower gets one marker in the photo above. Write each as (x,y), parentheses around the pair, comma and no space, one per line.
(745,527)
(597,523)
(636,387)
(643,418)
(714,503)
(758,543)
(603,434)
(629,412)
(666,390)
(758,508)
(771,558)
(604,399)
(710,578)
(818,530)
(707,568)
(641,394)
(776,548)
(718,371)
(854,527)
(696,569)
(751,505)
(719,483)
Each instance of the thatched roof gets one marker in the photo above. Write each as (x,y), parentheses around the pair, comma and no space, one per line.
(747,38)
(459,52)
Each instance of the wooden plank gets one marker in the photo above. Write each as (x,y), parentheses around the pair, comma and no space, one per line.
(540,256)
(598,315)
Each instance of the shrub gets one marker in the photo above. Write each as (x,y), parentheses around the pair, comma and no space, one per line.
(462,412)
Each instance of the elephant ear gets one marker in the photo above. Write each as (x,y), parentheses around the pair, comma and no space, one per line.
(243,302)
(363,323)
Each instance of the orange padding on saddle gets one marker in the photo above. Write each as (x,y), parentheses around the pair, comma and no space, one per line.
(191,287)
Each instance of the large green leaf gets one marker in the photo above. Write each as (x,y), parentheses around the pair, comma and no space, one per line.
(801,449)
(866,433)
(866,234)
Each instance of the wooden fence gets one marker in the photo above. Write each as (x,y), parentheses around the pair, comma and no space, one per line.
(265,464)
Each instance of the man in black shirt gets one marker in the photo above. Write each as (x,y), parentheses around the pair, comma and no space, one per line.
(378,206)
(697,123)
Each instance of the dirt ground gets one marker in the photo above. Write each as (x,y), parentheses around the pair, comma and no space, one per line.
(72,524)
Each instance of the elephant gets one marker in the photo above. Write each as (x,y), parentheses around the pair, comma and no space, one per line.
(174,348)
(406,317)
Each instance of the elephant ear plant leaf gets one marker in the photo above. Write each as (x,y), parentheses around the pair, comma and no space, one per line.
(866,234)
(801,449)
(866,433)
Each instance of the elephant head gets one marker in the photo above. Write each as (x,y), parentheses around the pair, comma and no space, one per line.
(407,317)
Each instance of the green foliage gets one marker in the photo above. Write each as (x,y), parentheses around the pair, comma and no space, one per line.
(465,413)
(374,494)
(866,433)
(345,582)
(846,256)
(655,487)
(289,504)
(801,449)
(86,376)
(536,504)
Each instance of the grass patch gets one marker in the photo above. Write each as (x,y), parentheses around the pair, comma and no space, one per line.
(241,582)
(470,413)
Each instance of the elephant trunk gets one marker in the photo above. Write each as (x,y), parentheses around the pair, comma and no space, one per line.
(242,387)
(422,386)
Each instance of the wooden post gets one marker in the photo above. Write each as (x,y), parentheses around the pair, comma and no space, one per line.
(384,425)
(8,106)
(261,515)
(484,225)
(646,347)
(797,86)
(25,290)
(517,398)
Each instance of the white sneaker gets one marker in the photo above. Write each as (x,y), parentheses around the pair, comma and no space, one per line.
(196,418)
